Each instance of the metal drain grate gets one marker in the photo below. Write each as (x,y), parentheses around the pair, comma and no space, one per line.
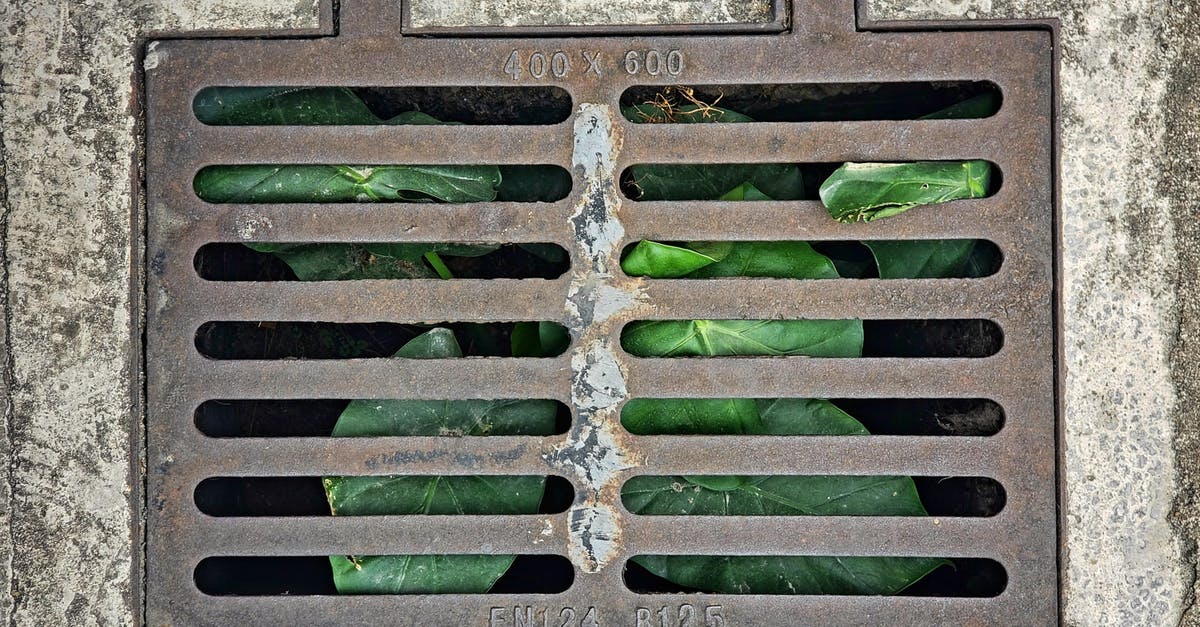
(595,301)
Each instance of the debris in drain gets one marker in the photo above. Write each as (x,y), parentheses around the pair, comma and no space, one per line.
(315,261)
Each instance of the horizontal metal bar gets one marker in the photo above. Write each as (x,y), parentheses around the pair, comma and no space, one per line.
(415,300)
(376,145)
(767,299)
(472,377)
(375,222)
(700,220)
(505,300)
(886,455)
(817,535)
(822,142)
(381,535)
(826,378)
(1003,57)
(617,607)
(547,534)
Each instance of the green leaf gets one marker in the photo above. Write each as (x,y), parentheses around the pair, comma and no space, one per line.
(751,574)
(779,181)
(663,261)
(737,416)
(745,191)
(418,574)
(343,183)
(435,495)
(326,183)
(344,262)
(293,106)
(776,260)
(870,191)
(981,106)
(254,106)
(394,495)
(691,416)
(692,338)
(546,252)
(707,260)
(379,418)
(539,339)
(922,259)
(832,495)
(769,496)
(805,416)
(533,183)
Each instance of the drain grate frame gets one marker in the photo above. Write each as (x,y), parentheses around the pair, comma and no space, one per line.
(824,45)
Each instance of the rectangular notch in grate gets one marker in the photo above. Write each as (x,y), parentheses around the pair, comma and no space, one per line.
(579,409)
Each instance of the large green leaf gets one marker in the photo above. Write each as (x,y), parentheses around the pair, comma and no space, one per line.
(292,106)
(539,339)
(775,260)
(344,262)
(252,106)
(379,418)
(437,495)
(870,191)
(737,416)
(752,574)
(745,191)
(693,338)
(691,416)
(922,259)
(326,183)
(769,496)
(395,495)
(980,106)
(345,183)
(663,261)
(418,574)
(707,260)
(779,181)
(817,495)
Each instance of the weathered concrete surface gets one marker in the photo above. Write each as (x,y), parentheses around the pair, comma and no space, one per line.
(68,131)
(1130,120)
(583,12)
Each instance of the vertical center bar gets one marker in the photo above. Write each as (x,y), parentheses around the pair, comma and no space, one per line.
(594,452)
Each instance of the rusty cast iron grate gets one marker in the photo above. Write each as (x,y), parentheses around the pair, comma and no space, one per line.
(595,301)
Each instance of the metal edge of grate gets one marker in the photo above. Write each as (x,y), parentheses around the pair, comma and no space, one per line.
(1021,298)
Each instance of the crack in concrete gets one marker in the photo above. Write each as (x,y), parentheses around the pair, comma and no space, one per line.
(1180,181)
(8,380)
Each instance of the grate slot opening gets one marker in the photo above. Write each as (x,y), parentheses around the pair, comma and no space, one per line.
(646,182)
(229,261)
(792,495)
(317,106)
(956,577)
(910,338)
(274,183)
(824,102)
(867,259)
(365,340)
(305,496)
(877,416)
(302,418)
(312,576)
